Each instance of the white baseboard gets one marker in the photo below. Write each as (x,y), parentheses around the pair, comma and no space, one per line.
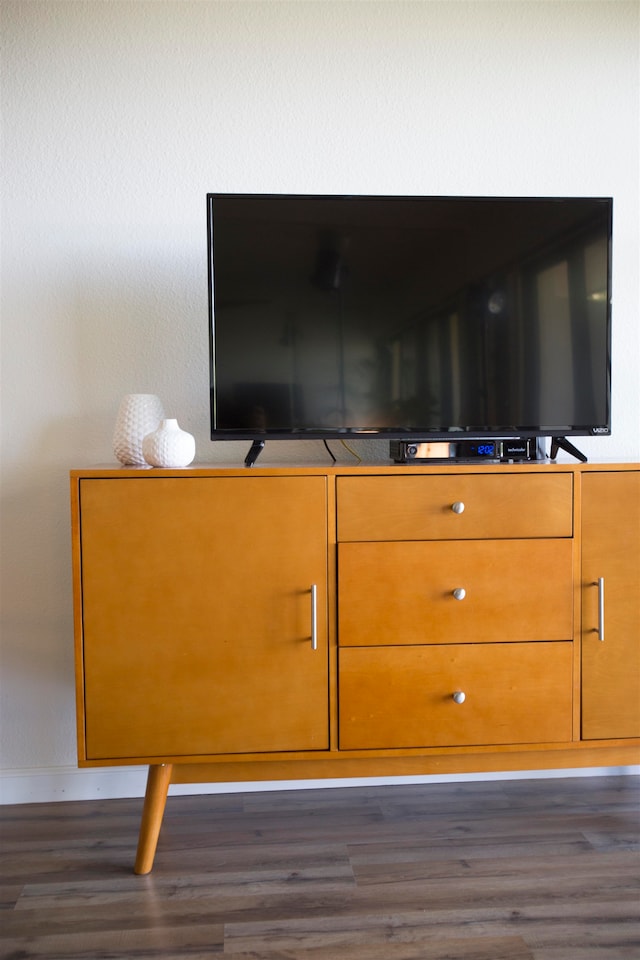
(47,785)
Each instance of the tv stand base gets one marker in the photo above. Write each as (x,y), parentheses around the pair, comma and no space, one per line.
(256,449)
(561,443)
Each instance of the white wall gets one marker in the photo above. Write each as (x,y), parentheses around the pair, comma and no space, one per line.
(118,117)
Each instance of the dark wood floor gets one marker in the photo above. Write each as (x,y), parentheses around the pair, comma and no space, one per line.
(509,870)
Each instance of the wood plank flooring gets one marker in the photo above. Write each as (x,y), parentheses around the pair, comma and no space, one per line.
(504,870)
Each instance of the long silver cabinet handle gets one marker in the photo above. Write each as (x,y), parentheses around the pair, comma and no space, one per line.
(600,584)
(314,616)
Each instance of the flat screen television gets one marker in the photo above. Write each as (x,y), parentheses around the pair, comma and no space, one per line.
(400,317)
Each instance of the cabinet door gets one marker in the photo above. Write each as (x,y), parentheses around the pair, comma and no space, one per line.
(197,615)
(611,551)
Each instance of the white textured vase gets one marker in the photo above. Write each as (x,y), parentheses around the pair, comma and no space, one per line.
(169,446)
(138,415)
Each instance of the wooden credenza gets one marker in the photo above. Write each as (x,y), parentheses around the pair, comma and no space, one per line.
(310,622)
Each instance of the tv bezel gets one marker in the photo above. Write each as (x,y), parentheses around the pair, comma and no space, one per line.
(400,433)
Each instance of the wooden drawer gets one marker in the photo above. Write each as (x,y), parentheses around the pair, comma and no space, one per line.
(402,593)
(393,697)
(509,505)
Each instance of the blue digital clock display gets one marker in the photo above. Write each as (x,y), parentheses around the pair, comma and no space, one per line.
(478,449)
(486,450)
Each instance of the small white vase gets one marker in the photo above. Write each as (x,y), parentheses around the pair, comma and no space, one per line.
(169,446)
(138,415)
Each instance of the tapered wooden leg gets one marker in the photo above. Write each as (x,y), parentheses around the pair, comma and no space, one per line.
(155,799)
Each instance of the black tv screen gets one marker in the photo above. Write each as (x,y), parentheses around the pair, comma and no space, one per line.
(407,317)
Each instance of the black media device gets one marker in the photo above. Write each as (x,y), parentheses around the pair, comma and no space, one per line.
(511,450)
(431,318)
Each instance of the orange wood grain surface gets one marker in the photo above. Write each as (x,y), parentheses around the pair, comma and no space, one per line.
(192,618)
(611,549)
(192,606)
(513,505)
(197,615)
(403,696)
(399,593)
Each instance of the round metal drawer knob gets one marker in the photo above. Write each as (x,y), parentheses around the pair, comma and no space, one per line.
(459,593)
(458,506)
(459,696)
